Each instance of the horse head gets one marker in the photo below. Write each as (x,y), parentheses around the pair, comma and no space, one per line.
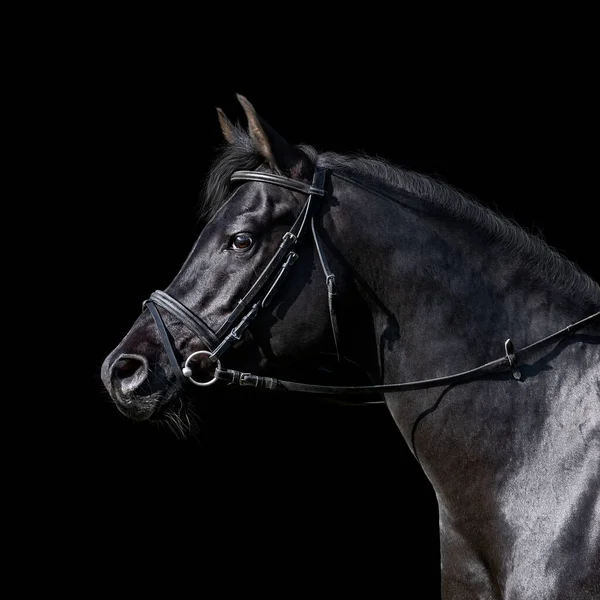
(227,295)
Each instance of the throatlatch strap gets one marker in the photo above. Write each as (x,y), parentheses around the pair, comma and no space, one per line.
(331,292)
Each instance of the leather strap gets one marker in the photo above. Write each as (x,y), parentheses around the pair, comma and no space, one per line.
(187,317)
(284,182)
(290,239)
(283,259)
(506,363)
(331,292)
(165,338)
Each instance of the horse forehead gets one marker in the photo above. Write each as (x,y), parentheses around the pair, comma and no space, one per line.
(255,199)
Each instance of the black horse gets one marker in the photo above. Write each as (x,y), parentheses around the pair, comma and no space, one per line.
(315,256)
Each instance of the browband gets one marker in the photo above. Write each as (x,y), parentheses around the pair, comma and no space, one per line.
(284,182)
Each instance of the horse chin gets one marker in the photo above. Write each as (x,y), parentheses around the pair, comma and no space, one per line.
(153,407)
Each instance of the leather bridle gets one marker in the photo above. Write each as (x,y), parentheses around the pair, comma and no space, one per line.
(261,292)
(265,287)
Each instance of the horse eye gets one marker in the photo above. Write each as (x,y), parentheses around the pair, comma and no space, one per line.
(241,241)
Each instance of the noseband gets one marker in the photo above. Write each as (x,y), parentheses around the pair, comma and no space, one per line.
(265,287)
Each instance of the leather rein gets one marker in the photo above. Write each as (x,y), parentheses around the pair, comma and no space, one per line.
(264,289)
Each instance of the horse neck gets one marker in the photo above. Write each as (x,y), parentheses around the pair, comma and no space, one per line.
(443,298)
(444,295)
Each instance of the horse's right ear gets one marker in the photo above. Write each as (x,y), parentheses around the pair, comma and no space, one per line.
(226,126)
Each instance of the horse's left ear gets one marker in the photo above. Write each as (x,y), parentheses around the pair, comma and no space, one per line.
(281,156)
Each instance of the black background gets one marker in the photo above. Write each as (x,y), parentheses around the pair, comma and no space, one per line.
(275,493)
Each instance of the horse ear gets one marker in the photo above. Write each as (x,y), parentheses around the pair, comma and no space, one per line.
(280,155)
(226,126)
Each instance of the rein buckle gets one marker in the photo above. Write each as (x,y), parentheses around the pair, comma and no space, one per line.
(509,350)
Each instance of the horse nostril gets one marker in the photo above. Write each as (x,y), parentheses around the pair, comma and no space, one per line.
(126,367)
(128,372)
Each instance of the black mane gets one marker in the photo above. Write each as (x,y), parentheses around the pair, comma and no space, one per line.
(381,175)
